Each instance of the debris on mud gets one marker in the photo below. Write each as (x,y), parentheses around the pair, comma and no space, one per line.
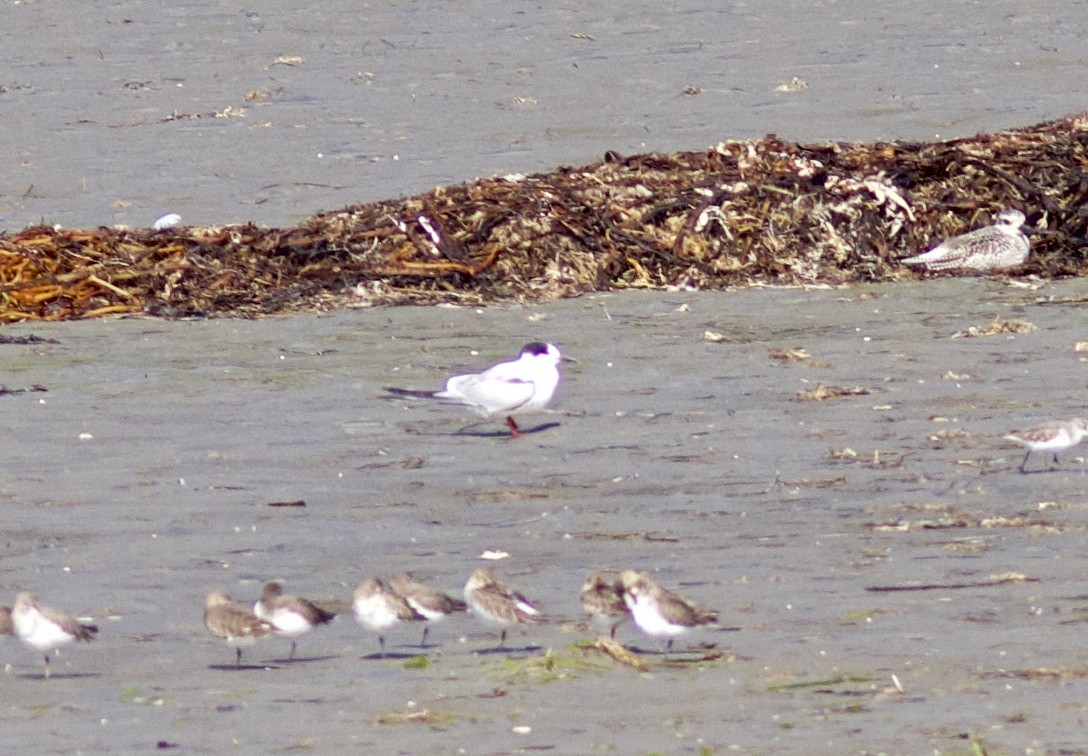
(742,213)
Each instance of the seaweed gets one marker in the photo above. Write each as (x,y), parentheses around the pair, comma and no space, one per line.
(742,213)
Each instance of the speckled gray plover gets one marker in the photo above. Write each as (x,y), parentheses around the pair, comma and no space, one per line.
(993,248)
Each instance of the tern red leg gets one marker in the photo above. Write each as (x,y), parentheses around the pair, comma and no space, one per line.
(514,430)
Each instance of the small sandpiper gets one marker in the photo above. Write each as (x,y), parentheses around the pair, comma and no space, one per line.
(46,628)
(602,600)
(433,605)
(378,608)
(658,612)
(227,619)
(292,616)
(493,603)
(1054,436)
(997,247)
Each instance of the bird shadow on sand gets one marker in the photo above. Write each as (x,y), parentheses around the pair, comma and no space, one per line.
(468,431)
(242,667)
(395,655)
(699,650)
(58,676)
(507,650)
(305,659)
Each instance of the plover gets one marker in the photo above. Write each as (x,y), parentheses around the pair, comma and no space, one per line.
(1054,436)
(433,605)
(377,608)
(292,616)
(602,600)
(493,603)
(997,247)
(658,612)
(46,628)
(526,384)
(227,619)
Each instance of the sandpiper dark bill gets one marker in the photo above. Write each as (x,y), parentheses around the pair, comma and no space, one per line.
(984,250)
(46,628)
(658,612)
(378,608)
(292,616)
(526,384)
(602,600)
(1054,436)
(433,605)
(227,619)
(497,605)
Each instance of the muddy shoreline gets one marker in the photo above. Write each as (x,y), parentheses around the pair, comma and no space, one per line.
(690,458)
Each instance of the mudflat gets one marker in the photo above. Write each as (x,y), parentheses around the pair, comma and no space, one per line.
(887,580)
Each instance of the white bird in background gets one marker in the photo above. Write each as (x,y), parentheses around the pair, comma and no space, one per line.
(526,384)
(997,247)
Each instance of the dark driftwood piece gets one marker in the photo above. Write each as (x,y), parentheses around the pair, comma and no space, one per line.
(741,213)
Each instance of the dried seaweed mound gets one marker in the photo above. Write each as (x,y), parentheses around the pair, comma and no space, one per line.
(739,214)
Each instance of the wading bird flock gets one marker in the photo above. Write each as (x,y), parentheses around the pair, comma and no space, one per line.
(526,384)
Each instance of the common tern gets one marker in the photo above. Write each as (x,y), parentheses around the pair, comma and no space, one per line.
(526,384)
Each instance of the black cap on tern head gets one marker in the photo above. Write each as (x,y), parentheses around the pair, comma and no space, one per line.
(535,348)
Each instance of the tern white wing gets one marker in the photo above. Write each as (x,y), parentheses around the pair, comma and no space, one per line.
(488,394)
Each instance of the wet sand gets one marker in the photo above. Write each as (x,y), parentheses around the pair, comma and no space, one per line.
(689,458)
(228,112)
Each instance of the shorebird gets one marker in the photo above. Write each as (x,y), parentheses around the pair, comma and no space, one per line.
(46,628)
(658,612)
(602,600)
(433,605)
(292,616)
(227,619)
(493,603)
(1002,245)
(526,384)
(378,608)
(1054,436)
